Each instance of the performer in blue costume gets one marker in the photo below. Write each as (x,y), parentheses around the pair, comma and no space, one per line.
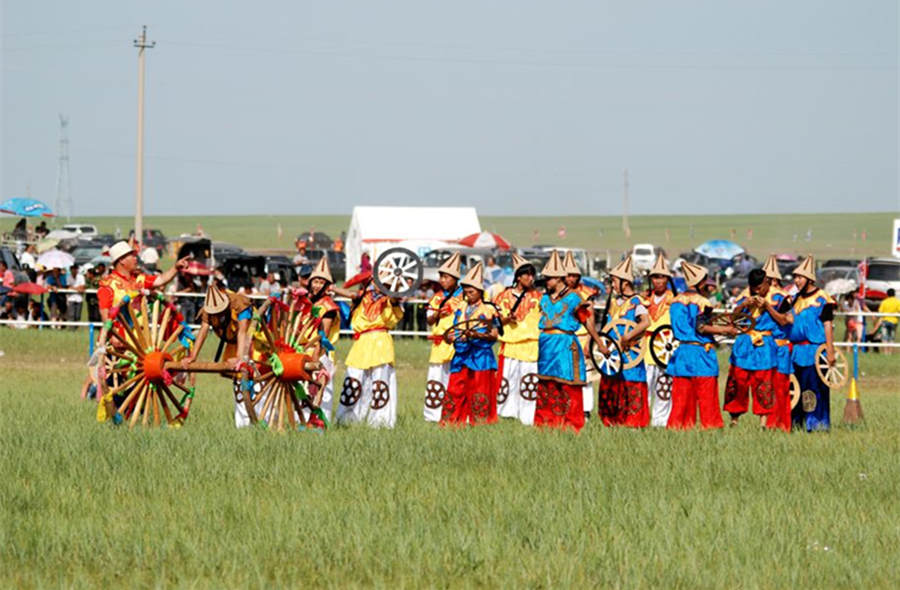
(813,316)
(561,371)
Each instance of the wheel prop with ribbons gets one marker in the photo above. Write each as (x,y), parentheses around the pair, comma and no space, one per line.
(663,344)
(633,356)
(609,365)
(143,352)
(398,272)
(834,376)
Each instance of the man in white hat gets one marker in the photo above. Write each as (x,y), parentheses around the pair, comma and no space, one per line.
(587,294)
(471,396)
(561,370)
(124,280)
(623,398)
(519,312)
(228,314)
(369,391)
(813,311)
(659,298)
(694,366)
(439,315)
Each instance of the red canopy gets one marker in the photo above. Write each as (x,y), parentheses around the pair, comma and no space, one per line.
(485,239)
(29,289)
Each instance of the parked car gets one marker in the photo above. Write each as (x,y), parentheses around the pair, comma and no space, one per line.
(153,238)
(84,253)
(337,261)
(9,258)
(840,262)
(881,274)
(643,257)
(74,230)
(826,274)
(282,265)
(316,240)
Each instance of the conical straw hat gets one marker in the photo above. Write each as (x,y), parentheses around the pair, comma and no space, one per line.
(807,268)
(624,270)
(519,262)
(554,266)
(569,264)
(451,266)
(322,271)
(660,267)
(216,300)
(693,273)
(475,277)
(771,268)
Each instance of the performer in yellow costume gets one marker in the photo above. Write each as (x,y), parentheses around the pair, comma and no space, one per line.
(520,312)
(370,387)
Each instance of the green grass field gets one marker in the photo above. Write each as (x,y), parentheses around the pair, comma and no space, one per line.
(832,235)
(84,504)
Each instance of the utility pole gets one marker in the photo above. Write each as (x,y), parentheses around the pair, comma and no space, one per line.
(625,227)
(63,186)
(142,44)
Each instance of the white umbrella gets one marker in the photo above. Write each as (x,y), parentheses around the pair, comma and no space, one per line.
(840,287)
(55,259)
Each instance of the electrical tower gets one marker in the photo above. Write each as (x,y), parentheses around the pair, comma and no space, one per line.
(63,185)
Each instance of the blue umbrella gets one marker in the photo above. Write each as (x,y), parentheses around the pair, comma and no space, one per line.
(719,249)
(23,207)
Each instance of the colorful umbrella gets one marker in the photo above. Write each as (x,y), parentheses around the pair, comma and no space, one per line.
(720,249)
(55,259)
(23,207)
(485,239)
(29,289)
(197,268)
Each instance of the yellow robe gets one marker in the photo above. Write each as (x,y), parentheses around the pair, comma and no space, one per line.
(372,342)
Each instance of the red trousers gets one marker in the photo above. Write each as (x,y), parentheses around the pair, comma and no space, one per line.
(781,413)
(470,398)
(623,403)
(690,394)
(759,383)
(559,405)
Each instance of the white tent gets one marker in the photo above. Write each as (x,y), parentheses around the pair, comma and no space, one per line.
(375,229)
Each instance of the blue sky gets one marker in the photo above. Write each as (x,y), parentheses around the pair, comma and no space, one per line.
(516,107)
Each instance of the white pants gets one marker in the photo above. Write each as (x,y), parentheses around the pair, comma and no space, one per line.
(587,395)
(370,395)
(521,396)
(328,393)
(435,388)
(241,417)
(659,408)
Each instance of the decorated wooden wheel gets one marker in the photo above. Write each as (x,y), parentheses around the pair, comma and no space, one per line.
(458,331)
(139,345)
(834,376)
(633,356)
(794,391)
(663,344)
(742,320)
(398,272)
(609,365)
(808,400)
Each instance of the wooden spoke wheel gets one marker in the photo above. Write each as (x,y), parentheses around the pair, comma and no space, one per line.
(633,356)
(459,331)
(398,272)
(794,391)
(610,364)
(663,344)
(834,376)
(742,320)
(139,345)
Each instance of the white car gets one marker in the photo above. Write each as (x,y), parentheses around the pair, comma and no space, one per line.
(881,274)
(643,257)
(74,230)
